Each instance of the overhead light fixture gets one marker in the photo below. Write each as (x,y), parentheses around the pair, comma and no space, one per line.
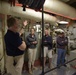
(63,22)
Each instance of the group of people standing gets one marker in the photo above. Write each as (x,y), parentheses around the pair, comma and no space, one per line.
(15,47)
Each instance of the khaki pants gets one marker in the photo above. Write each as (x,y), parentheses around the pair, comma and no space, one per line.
(47,52)
(31,57)
(17,69)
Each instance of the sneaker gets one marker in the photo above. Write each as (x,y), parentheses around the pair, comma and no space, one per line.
(58,66)
(65,65)
(34,68)
(30,72)
(40,67)
(50,67)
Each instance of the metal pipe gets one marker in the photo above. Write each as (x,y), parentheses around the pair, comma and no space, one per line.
(60,8)
(30,14)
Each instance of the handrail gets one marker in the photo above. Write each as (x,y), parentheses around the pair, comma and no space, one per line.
(59,66)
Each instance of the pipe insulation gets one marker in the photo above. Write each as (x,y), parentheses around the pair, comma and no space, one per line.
(60,8)
(29,13)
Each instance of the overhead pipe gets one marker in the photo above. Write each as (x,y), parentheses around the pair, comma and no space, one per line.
(60,8)
(30,14)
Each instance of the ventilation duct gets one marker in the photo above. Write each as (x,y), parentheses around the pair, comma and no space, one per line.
(30,14)
(60,8)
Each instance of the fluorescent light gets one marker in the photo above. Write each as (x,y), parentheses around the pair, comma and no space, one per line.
(63,22)
(59,30)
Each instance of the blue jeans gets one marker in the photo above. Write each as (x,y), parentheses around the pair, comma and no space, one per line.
(61,56)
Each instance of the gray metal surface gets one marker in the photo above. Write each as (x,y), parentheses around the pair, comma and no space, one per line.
(62,71)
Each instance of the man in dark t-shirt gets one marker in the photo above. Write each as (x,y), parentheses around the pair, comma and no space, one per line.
(15,47)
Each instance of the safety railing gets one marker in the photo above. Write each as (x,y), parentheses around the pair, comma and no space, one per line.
(58,66)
